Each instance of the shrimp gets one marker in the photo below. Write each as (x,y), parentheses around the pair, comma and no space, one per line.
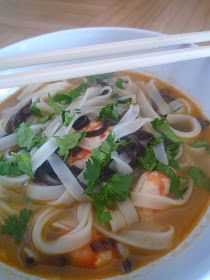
(154,183)
(80,159)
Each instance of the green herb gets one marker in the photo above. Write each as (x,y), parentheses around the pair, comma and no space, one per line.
(119,83)
(18,165)
(168,171)
(35,110)
(23,163)
(160,125)
(68,142)
(155,141)
(149,162)
(126,101)
(67,118)
(100,157)
(69,96)
(199,178)
(26,138)
(171,152)
(45,118)
(202,144)
(16,225)
(109,111)
(57,109)
(25,198)
(117,188)
(92,79)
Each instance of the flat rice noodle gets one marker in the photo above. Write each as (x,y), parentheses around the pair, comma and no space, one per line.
(156,97)
(192,122)
(67,178)
(128,211)
(145,106)
(66,199)
(160,153)
(127,128)
(72,240)
(13,181)
(40,192)
(120,165)
(148,240)
(29,90)
(117,222)
(131,114)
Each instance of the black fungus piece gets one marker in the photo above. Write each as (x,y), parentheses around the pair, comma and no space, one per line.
(103,244)
(106,174)
(101,82)
(154,105)
(144,136)
(166,95)
(18,118)
(204,123)
(104,92)
(81,122)
(45,174)
(75,170)
(126,265)
(30,261)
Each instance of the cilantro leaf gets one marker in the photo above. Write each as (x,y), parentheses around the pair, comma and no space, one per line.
(202,144)
(160,125)
(18,165)
(119,83)
(16,225)
(35,110)
(26,138)
(66,117)
(92,173)
(69,96)
(109,111)
(68,142)
(199,178)
(117,188)
(148,160)
(25,198)
(171,152)
(23,163)
(126,101)
(57,109)
(92,79)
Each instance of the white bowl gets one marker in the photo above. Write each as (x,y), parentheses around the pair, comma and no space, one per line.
(191,259)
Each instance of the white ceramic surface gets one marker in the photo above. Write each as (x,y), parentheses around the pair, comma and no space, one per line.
(191,259)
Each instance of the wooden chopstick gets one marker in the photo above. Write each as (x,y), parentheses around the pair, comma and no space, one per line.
(104,49)
(102,66)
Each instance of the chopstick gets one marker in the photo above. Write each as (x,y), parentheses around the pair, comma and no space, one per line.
(104,49)
(102,66)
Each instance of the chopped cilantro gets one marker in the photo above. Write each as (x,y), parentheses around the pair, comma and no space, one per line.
(199,178)
(92,79)
(126,101)
(16,225)
(148,160)
(202,144)
(57,109)
(171,152)
(160,125)
(117,188)
(68,142)
(109,111)
(18,165)
(69,96)
(119,83)
(35,110)
(26,138)
(67,118)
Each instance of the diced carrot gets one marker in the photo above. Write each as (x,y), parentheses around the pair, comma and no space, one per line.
(84,257)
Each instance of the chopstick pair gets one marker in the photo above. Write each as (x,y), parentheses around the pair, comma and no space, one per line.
(98,64)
